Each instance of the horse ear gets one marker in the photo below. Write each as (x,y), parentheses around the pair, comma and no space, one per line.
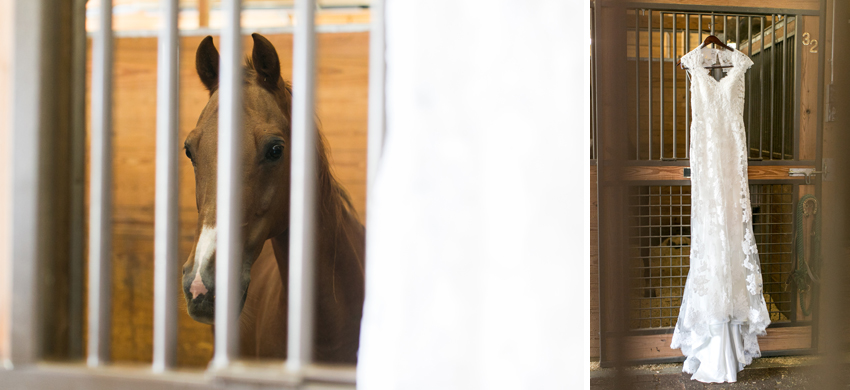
(206,63)
(266,62)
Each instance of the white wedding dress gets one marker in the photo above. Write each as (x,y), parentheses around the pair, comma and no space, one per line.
(723,307)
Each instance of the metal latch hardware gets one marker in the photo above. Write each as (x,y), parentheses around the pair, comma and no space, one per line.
(807,172)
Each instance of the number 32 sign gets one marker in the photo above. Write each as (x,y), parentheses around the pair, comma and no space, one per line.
(813,42)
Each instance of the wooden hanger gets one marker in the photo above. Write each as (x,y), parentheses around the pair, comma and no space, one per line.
(715,40)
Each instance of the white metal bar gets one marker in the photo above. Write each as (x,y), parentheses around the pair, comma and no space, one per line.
(19,334)
(256,376)
(229,190)
(166,233)
(377,70)
(100,203)
(302,200)
(202,32)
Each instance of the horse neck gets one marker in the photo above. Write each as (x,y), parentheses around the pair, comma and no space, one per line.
(337,233)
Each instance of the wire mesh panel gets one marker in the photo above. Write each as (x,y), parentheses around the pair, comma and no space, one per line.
(659,253)
(773,227)
(658,98)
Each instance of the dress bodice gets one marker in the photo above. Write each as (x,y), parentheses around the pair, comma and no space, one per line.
(710,95)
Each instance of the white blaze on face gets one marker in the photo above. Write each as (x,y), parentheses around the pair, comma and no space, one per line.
(203,253)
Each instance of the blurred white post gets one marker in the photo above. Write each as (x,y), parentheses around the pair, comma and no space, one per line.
(303,186)
(7,9)
(478,246)
(22,88)
(377,83)
(166,234)
(100,188)
(229,189)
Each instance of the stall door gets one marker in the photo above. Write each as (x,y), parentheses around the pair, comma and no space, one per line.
(643,164)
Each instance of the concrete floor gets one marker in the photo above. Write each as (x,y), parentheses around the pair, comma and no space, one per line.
(792,372)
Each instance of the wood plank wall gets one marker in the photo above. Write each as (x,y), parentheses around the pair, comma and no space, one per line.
(342,78)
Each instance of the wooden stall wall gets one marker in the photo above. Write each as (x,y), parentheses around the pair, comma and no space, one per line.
(342,78)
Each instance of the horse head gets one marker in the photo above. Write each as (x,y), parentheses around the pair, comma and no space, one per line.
(265,170)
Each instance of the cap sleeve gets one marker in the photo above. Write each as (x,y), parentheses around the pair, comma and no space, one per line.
(687,60)
(744,61)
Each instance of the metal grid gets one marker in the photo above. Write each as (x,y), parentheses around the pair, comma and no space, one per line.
(659,97)
(660,249)
(773,227)
(659,253)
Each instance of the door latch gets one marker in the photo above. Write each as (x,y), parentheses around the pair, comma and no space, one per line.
(807,172)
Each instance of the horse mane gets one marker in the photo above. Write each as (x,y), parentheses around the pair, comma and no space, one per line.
(334,201)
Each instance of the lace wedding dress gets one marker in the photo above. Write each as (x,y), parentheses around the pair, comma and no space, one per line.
(723,307)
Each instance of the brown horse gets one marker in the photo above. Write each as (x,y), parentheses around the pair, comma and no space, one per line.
(265,181)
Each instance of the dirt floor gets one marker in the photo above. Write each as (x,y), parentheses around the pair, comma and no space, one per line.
(790,372)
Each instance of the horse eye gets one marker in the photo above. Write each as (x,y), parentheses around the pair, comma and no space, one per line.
(274,152)
(188,154)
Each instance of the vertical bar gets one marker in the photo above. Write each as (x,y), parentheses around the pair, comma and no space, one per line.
(738,33)
(228,203)
(712,24)
(784,71)
(798,60)
(637,86)
(699,27)
(675,55)
(687,87)
(649,78)
(20,252)
(302,216)
(592,103)
(738,48)
(100,210)
(772,71)
(749,80)
(714,72)
(761,88)
(661,85)
(166,233)
(377,80)
(76,259)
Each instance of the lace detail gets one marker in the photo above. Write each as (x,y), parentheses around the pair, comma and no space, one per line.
(724,282)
